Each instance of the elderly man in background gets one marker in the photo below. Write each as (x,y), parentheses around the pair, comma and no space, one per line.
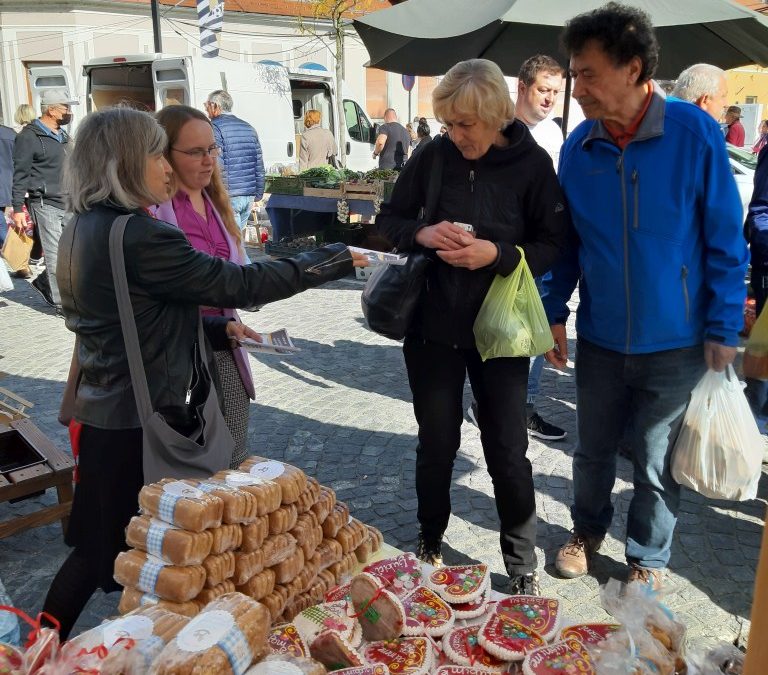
(734,133)
(705,86)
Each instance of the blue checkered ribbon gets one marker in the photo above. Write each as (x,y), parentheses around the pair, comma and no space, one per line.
(155,537)
(149,649)
(208,487)
(148,599)
(236,647)
(167,506)
(150,570)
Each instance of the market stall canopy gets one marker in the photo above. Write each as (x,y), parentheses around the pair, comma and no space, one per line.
(427,37)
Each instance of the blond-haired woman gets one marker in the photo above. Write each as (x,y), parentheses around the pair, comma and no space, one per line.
(24,114)
(318,146)
(495,178)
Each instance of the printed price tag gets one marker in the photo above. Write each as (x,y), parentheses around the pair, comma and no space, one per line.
(239,478)
(267,470)
(133,627)
(180,489)
(205,630)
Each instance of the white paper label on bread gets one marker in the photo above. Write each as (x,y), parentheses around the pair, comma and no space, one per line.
(127,628)
(268,470)
(205,630)
(180,489)
(240,478)
(275,668)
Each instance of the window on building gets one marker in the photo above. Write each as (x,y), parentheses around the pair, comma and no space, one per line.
(750,99)
(375,92)
(426,87)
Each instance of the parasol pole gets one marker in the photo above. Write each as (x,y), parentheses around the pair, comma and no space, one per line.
(566,102)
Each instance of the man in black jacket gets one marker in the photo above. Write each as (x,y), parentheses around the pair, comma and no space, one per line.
(7,136)
(38,162)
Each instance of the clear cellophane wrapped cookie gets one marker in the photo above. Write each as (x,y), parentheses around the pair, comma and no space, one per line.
(292,481)
(226,637)
(277,548)
(219,568)
(337,518)
(247,565)
(168,542)
(240,506)
(267,493)
(259,586)
(351,535)
(133,598)
(288,569)
(308,496)
(308,533)
(226,538)
(276,601)
(283,519)
(326,500)
(152,575)
(210,594)
(344,567)
(255,533)
(181,504)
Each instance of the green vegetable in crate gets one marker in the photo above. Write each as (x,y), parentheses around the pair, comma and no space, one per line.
(325,174)
(381,174)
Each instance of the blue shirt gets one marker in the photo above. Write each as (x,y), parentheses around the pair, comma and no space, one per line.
(58,137)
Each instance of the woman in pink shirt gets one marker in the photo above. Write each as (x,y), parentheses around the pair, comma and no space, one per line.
(201,208)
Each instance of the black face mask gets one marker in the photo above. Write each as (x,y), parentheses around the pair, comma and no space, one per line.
(66,118)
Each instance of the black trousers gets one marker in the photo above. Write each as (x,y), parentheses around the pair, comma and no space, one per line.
(436,374)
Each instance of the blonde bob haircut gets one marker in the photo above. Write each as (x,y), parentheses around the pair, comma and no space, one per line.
(474,88)
(311,118)
(109,159)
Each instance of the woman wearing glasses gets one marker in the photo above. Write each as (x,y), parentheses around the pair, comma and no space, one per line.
(201,208)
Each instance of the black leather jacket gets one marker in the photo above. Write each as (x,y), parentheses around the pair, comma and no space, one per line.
(168,281)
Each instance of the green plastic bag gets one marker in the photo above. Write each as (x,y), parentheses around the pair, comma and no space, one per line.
(512,321)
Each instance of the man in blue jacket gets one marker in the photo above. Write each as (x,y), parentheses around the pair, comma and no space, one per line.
(241,158)
(660,259)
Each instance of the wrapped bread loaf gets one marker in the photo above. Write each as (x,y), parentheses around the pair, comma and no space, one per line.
(337,518)
(277,548)
(328,580)
(364,551)
(152,575)
(267,493)
(255,533)
(294,608)
(226,538)
(316,591)
(306,499)
(326,500)
(313,485)
(292,481)
(288,569)
(351,535)
(330,552)
(344,567)
(377,538)
(275,602)
(209,594)
(247,564)
(308,533)
(168,542)
(283,520)
(181,504)
(307,575)
(219,568)
(226,637)
(259,586)
(133,598)
(239,505)
(284,663)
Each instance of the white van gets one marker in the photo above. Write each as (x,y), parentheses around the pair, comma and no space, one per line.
(266,95)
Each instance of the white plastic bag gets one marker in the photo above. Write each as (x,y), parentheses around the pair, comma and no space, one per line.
(719,451)
(6,283)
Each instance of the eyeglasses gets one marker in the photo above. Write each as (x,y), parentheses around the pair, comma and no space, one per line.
(199,153)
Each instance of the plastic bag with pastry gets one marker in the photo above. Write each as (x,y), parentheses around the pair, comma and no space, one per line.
(168,542)
(179,503)
(154,576)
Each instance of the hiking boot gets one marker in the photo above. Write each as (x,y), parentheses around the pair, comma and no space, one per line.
(540,428)
(524,584)
(429,551)
(574,557)
(472,413)
(652,578)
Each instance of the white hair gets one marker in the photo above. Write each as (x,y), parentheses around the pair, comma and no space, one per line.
(222,99)
(700,80)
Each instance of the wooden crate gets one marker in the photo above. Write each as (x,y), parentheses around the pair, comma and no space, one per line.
(331,193)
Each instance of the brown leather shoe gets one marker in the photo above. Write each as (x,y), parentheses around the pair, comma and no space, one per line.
(573,559)
(652,578)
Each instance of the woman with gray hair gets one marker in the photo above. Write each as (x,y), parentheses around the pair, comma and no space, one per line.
(498,180)
(117,168)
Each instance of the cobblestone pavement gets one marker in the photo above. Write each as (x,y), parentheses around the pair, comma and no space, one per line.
(340,409)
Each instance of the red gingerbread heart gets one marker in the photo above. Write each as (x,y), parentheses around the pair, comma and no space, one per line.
(508,640)
(559,658)
(589,633)
(379,612)
(471,610)
(340,592)
(401,574)
(426,613)
(461,670)
(285,639)
(406,656)
(378,669)
(334,652)
(541,614)
(459,583)
(461,647)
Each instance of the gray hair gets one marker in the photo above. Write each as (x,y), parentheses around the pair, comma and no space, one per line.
(109,159)
(222,99)
(700,80)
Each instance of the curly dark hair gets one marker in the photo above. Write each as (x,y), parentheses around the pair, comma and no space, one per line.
(623,32)
(538,64)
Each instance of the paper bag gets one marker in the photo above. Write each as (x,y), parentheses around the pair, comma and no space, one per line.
(16,249)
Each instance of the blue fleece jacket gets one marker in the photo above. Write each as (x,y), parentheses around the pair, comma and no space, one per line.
(657,246)
(241,157)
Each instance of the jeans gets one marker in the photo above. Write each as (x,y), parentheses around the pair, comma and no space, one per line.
(242,208)
(436,374)
(757,390)
(646,395)
(49,221)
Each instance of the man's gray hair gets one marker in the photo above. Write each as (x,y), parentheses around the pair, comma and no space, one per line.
(109,159)
(222,99)
(700,80)
(44,107)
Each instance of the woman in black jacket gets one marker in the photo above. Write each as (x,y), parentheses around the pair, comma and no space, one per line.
(496,179)
(116,168)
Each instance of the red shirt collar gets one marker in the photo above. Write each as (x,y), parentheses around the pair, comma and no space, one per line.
(622,137)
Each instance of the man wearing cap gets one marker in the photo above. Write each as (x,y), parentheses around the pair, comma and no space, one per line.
(38,163)
(735,129)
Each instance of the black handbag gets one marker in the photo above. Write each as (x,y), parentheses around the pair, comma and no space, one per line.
(392,292)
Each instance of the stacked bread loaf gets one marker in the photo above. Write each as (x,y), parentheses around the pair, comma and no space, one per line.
(265,530)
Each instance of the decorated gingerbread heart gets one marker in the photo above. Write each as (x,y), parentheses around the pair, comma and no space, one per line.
(334,652)
(378,669)
(379,611)
(285,639)
(461,646)
(473,609)
(559,658)
(409,656)
(461,670)
(340,592)
(589,633)
(426,613)
(401,574)
(541,614)
(508,640)
(459,583)
(328,616)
